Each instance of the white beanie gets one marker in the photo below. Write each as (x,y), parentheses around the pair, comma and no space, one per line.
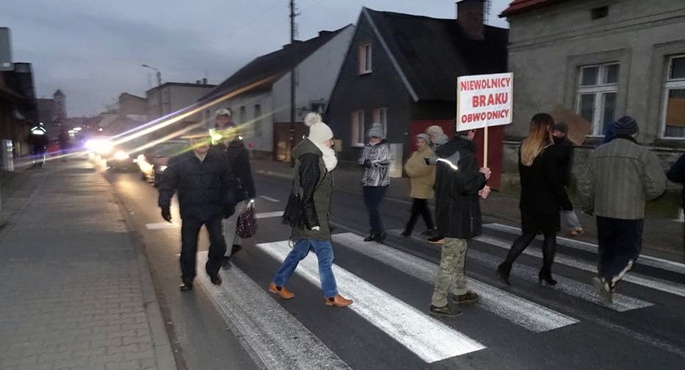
(319,132)
(376,130)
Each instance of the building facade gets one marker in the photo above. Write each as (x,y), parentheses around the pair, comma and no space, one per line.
(175,97)
(601,59)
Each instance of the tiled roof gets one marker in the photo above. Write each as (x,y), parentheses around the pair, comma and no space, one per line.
(518,6)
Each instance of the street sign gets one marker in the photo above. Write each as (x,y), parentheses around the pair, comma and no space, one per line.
(5,50)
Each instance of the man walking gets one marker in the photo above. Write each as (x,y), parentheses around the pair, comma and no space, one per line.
(564,150)
(458,185)
(621,176)
(202,177)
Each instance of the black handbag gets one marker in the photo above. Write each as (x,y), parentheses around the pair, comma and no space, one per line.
(293,215)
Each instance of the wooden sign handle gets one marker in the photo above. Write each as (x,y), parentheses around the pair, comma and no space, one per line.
(485,147)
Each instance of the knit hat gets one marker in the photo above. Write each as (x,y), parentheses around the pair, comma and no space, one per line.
(625,125)
(424,137)
(319,132)
(561,127)
(434,132)
(376,131)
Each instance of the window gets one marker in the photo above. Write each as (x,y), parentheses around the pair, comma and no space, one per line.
(365,59)
(597,95)
(358,130)
(258,120)
(674,99)
(243,115)
(380,115)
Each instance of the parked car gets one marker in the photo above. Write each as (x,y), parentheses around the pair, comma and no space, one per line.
(153,161)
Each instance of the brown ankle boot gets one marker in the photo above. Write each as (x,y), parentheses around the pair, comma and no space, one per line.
(338,301)
(283,292)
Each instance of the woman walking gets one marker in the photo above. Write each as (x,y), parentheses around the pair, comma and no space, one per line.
(314,162)
(376,161)
(422,178)
(542,197)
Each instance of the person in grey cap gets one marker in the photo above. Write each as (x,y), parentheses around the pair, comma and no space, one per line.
(375,159)
(564,150)
(620,177)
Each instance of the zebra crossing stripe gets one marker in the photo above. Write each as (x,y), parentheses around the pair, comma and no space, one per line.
(248,308)
(518,310)
(427,338)
(589,247)
(653,283)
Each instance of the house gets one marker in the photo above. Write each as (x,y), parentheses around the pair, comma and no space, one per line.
(18,108)
(132,104)
(173,97)
(602,59)
(264,111)
(401,71)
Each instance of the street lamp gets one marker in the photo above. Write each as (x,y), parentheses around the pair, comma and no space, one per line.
(159,87)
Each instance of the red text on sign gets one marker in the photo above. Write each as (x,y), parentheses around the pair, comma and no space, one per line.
(491,99)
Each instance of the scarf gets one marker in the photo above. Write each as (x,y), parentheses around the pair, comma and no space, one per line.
(329,159)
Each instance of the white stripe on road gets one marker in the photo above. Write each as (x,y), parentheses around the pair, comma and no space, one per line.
(269,214)
(589,247)
(567,286)
(518,310)
(269,199)
(653,283)
(274,336)
(429,339)
(162,225)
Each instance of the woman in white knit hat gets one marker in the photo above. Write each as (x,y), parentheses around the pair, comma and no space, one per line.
(376,162)
(314,161)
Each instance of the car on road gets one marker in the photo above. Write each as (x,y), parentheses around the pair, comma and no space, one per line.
(153,161)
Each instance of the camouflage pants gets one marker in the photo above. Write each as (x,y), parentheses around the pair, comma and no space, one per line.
(451,271)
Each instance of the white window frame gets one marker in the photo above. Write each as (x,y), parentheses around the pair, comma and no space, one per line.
(599,91)
(365,58)
(380,115)
(357,120)
(669,84)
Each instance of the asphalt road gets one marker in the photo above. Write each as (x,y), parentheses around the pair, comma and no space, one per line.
(240,325)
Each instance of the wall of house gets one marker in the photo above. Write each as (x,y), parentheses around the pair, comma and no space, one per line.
(380,88)
(175,98)
(315,78)
(548,46)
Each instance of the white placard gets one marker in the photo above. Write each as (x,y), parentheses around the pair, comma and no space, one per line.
(484,100)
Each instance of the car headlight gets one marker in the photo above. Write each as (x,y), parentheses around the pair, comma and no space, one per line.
(120,155)
(99,146)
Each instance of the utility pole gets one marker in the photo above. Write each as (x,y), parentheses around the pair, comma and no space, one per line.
(292,81)
(159,88)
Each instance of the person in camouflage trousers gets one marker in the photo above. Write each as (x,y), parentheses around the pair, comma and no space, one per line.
(458,185)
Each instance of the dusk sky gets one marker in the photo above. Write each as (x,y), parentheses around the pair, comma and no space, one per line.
(93,50)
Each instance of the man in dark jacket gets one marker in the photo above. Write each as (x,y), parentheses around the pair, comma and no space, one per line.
(202,177)
(677,175)
(458,184)
(564,153)
(238,157)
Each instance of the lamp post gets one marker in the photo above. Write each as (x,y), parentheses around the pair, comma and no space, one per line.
(159,88)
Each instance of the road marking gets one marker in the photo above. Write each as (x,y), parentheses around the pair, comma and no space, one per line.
(428,338)
(162,225)
(274,336)
(518,310)
(269,214)
(269,199)
(653,283)
(589,247)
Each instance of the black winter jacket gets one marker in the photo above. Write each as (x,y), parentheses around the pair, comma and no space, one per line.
(239,159)
(457,207)
(677,174)
(564,150)
(542,188)
(203,187)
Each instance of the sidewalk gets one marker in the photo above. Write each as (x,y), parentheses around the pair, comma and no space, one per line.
(663,237)
(76,293)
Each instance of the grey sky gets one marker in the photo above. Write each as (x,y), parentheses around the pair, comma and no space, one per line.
(93,49)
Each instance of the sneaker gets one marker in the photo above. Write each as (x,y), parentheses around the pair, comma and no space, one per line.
(445,310)
(186,287)
(604,290)
(437,240)
(468,297)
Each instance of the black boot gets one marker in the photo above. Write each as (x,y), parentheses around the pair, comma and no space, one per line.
(545,278)
(549,249)
(370,238)
(187,286)
(380,238)
(503,271)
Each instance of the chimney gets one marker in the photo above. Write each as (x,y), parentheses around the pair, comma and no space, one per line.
(470,18)
(204,81)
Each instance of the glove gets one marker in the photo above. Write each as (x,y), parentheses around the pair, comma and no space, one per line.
(229,210)
(166,214)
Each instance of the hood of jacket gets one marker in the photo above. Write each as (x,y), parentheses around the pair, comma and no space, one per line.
(458,143)
(306,147)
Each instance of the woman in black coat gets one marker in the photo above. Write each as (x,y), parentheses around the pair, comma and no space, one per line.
(542,197)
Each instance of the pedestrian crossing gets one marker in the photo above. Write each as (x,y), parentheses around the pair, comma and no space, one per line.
(278,339)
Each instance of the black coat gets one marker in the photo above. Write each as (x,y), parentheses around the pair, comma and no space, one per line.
(457,207)
(564,149)
(677,174)
(542,189)
(239,159)
(203,187)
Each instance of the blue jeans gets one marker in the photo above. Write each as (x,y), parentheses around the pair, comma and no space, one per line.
(373,196)
(324,253)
